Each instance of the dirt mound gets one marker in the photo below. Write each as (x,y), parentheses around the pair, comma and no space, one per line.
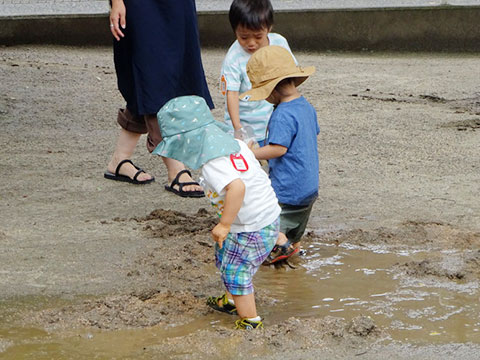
(454,266)
(163,223)
(302,335)
(410,234)
(124,311)
(431,267)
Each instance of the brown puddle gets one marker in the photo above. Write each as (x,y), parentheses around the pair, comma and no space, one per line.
(346,281)
(31,343)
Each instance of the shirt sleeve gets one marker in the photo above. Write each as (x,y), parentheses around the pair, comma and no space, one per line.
(284,43)
(219,173)
(281,129)
(231,74)
(286,46)
(316,122)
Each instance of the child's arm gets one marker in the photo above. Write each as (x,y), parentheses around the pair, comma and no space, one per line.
(270,151)
(233,107)
(235,192)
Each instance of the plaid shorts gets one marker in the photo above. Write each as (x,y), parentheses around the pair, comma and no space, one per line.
(241,256)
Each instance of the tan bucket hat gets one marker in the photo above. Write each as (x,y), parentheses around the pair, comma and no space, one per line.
(267,67)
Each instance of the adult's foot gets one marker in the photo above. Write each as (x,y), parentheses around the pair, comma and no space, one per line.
(180,188)
(128,169)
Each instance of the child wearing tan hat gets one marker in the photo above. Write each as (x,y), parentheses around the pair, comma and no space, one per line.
(291,144)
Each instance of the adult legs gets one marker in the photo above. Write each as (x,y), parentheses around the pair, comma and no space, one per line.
(126,143)
(173,166)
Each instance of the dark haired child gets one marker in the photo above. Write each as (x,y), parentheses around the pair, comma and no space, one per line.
(251,21)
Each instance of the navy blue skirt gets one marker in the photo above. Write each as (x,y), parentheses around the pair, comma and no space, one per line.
(159,57)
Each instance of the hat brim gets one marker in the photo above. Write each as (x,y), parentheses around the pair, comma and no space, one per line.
(262,92)
(181,146)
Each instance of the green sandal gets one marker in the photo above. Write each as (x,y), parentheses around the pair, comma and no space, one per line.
(245,324)
(226,307)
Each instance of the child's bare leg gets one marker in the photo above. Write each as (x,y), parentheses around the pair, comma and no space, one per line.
(229,297)
(283,249)
(282,239)
(245,305)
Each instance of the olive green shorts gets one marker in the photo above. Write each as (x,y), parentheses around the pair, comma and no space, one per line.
(293,220)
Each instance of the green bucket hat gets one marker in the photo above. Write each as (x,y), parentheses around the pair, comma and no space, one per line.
(191,134)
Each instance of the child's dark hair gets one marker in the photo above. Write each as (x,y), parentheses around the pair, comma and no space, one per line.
(252,14)
(284,82)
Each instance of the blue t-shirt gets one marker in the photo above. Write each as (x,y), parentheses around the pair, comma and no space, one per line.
(294,175)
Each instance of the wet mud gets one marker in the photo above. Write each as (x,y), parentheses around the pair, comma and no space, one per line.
(94,268)
(302,335)
(185,276)
(184,279)
(410,234)
(122,312)
(451,253)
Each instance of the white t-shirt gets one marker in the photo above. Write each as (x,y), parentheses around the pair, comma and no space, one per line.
(260,205)
(234,78)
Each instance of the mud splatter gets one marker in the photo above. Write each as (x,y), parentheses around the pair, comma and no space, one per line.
(471,124)
(434,98)
(466,105)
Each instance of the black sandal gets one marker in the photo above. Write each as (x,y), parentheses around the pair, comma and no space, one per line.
(119,177)
(180,191)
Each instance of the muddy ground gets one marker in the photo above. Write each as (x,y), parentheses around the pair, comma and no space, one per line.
(399,169)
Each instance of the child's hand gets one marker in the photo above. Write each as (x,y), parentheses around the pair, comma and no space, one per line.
(219,233)
(234,194)
(240,134)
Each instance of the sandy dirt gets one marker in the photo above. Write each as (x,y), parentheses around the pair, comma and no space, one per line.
(399,168)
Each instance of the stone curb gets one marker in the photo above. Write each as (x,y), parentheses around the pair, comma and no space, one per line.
(452,28)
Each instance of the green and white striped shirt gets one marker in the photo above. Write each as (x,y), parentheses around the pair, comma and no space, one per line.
(234,78)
